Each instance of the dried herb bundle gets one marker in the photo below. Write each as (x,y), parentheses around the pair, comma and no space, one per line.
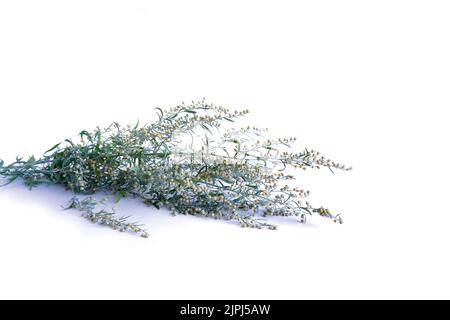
(182,161)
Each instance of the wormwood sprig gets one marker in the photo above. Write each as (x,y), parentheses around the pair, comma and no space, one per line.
(104,217)
(185,161)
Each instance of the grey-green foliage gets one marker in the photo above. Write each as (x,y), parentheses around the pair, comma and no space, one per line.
(88,207)
(184,161)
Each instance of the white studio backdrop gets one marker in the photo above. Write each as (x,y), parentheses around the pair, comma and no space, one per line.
(365,82)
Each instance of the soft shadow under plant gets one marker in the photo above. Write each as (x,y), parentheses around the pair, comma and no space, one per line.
(183,161)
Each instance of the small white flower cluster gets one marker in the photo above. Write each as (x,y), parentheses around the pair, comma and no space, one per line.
(103,217)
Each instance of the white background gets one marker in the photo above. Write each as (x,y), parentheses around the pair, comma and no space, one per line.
(365,82)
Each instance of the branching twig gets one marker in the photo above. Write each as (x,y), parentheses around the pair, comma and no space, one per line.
(180,162)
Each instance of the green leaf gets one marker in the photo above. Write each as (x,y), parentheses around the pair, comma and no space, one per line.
(226,180)
(87,134)
(120,196)
(156,205)
(53,148)
(270,148)
(203,168)
(226,151)
(204,126)
(10,180)
(31,160)
(98,135)
(161,113)
(206,141)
